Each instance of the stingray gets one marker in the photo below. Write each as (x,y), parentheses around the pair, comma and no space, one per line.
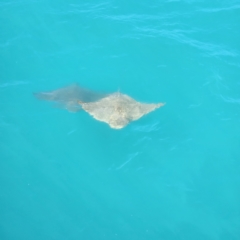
(70,96)
(118,109)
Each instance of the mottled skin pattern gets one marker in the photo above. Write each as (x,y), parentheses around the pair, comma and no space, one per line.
(118,109)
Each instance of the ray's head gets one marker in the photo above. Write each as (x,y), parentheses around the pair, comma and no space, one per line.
(118,122)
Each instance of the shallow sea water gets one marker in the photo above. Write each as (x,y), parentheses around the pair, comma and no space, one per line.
(173,174)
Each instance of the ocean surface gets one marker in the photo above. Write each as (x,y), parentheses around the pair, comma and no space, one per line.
(172,175)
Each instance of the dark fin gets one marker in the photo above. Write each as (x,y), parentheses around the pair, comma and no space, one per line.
(71,93)
(70,97)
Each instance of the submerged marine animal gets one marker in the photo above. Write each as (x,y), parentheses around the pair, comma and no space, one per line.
(115,109)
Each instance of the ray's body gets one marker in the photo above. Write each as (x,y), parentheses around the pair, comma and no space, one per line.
(115,109)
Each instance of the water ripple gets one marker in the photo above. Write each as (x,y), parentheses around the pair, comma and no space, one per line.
(207,10)
(179,36)
(16,83)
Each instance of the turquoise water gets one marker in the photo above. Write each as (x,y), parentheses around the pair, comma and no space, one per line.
(173,174)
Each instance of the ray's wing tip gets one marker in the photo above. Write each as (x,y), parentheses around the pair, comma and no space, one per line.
(160,104)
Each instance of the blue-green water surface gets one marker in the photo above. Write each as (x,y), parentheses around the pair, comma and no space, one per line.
(172,175)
